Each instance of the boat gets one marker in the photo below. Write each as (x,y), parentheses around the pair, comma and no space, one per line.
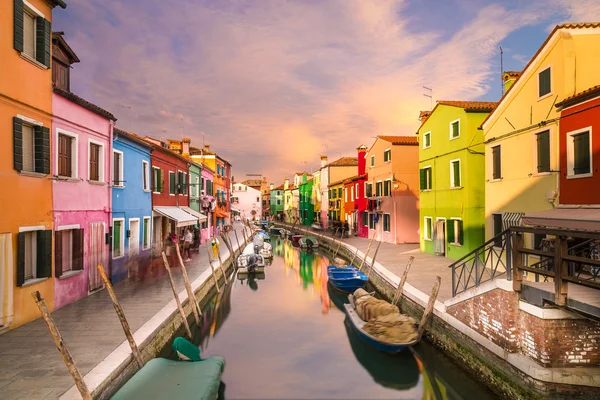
(275,231)
(264,248)
(346,279)
(191,377)
(308,242)
(296,238)
(317,227)
(250,260)
(264,235)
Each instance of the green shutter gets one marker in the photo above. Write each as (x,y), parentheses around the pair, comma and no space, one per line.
(58,259)
(18,143)
(42,39)
(544,82)
(159,183)
(21,259)
(460,232)
(422,178)
(450,231)
(543,151)
(44,254)
(42,149)
(18,26)
(455,131)
(456,171)
(428,140)
(116,238)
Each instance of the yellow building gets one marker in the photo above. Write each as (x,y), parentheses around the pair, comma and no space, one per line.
(521,134)
(336,201)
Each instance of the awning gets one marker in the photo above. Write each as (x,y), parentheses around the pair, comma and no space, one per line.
(201,217)
(581,219)
(176,214)
(222,214)
(510,219)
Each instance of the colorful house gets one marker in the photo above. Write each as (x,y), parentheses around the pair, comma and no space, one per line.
(246,200)
(361,216)
(522,133)
(393,189)
(207,202)
(266,201)
(131,205)
(25,118)
(277,200)
(307,208)
(323,195)
(288,201)
(335,171)
(336,202)
(452,182)
(81,139)
(223,192)
(316,196)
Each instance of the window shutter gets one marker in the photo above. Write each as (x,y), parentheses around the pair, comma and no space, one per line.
(42,38)
(78,238)
(450,231)
(543,148)
(21,259)
(544,82)
(18,143)
(160,182)
(44,254)
(456,167)
(18,26)
(58,254)
(460,232)
(497,165)
(38,149)
(582,153)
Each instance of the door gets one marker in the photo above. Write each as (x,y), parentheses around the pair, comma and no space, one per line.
(134,237)
(157,240)
(439,237)
(97,255)
(6,280)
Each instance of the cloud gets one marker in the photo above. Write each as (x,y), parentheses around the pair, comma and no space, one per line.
(274,84)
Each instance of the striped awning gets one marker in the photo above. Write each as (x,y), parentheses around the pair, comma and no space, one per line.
(510,219)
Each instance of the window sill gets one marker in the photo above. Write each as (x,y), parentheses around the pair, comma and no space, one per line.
(33,174)
(589,175)
(67,179)
(32,60)
(428,147)
(118,257)
(426,190)
(118,187)
(455,244)
(456,187)
(99,183)
(454,138)
(495,180)
(428,240)
(70,274)
(542,174)
(31,282)
(148,191)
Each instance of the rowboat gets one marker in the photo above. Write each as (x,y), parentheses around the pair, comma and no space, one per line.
(296,238)
(249,261)
(308,242)
(275,231)
(264,235)
(346,279)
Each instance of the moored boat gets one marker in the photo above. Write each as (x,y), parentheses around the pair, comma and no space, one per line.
(296,238)
(308,242)
(264,235)
(346,279)
(250,260)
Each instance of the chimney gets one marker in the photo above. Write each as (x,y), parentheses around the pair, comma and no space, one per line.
(509,78)
(286,184)
(362,159)
(423,115)
(185,150)
(272,186)
(207,147)
(323,161)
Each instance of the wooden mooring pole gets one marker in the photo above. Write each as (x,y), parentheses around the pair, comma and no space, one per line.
(398,293)
(188,287)
(355,254)
(221,266)
(227,240)
(430,305)
(179,306)
(212,267)
(338,249)
(239,248)
(373,261)
(111,292)
(367,253)
(62,347)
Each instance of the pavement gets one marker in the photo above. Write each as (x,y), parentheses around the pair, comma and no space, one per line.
(31,367)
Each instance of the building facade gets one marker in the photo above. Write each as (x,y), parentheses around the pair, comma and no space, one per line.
(336,202)
(307,208)
(361,220)
(277,202)
(247,201)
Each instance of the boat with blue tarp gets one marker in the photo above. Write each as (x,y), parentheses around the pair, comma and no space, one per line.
(346,279)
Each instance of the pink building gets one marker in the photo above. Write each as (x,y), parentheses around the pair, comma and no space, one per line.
(81,168)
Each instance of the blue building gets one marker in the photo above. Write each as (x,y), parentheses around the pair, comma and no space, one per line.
(131,206)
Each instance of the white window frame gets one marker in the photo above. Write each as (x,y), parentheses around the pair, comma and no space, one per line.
(175,188)
(386,151)
(146,166)
(491,161)
(345,194)
(455,243)
(352,193)
(378,195)
(426,134)
(427,234)
(122,243)
(28,8)
(372,161)
(452,173)
(538,82)
(535,152)
(149,219)
(156,187)
(369,221)
(450,126)
(120,185)
(74,153)
(383,222)
(100,159)
(430,173)
(571,154)
(387,180)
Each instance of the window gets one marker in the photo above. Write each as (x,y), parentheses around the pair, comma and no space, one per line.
(68,251)
(184,184)
(172,183)
(387,155)
(257,199)
(31,146)
(454,232)
(425,178)
(339,192)
(278,202)
(356,190)
(31,33)
(365,218)
(145,175)
(60,75)
(497,220)
(118,180)
(386,222)
(427,228)
(197,187)
(426,140)
(455,173)
(345,194)
(118,237)
(67,155)
(157,180)
(351,193)
(95,162)
(387,187)
(28,149)
(544,82)
(454,129)
(496,162)
(372,161)
(378,188)
(368,189)
(579,153)
(537,240)
(371,220)
(209,188)
(543,151)
(146,233)
(34,256)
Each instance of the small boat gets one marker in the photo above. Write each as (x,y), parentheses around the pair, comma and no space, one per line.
(264,235)
(275,231)
(296,238)
(317,227)
(250,260)
(308,242)
(267,250)
(346,279)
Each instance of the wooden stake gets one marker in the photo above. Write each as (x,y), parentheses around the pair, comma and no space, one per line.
(398,294)
(188,287)
(429,309)
(221,266)
(367,253)
(229,245)
(134,349)
(373,261)
(238,243)
(355,254)
(212,268)
(338,249)
(181,312)
(62,347)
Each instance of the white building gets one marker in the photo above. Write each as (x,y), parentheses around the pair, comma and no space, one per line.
(247,201)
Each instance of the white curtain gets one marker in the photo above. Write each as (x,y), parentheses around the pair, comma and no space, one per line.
(6,279)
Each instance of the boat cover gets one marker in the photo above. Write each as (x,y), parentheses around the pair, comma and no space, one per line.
(368,307)
(392,328)
(166,379)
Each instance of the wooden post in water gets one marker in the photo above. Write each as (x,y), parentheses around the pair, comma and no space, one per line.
(111,292)
(212,268)
(62,347)
(373,261)
(229,245)
(239,249)
(430,305)
(398,294)
(355,254)
(244,234)
(188,287)
(181,312)
(221,266)
(338,249)
(367,253)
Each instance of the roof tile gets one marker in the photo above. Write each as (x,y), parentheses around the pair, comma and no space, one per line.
(400,140)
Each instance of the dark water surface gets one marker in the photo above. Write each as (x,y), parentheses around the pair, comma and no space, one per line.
(284,336)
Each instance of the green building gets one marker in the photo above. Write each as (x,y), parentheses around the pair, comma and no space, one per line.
(195,185)
(277,201)
(452,178)
(307,208)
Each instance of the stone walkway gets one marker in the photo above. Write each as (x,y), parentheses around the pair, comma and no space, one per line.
(31,367)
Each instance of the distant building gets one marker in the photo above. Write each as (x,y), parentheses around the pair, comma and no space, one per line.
(247,201)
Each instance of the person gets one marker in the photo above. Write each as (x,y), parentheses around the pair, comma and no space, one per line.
(188,239)
(215,247)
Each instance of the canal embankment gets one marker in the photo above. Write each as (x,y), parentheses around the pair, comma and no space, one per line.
(510,374)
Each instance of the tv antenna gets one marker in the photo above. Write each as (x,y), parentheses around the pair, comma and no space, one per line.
(430,95)
(501,71)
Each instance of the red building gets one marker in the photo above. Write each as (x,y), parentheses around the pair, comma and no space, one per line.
(360,198)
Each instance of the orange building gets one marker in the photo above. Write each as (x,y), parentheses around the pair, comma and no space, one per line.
(26,244)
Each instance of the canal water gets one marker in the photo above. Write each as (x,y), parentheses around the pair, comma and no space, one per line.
(283,335)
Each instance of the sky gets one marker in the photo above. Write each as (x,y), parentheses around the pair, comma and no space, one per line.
(271,85)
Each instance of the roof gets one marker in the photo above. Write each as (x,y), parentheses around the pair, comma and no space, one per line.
(400,140)
(280,187)
(302,173)
(587,94)
(337,183)
(580,25)
(58,36)
(59,3)
(470,106)
(344,162)
(84,103)
(131,136)
(512,74)
(156,146)
(252,182)
(583,219)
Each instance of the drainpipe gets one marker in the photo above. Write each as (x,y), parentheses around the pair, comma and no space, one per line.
(395,220)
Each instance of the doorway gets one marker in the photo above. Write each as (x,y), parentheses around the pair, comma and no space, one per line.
(134,237)
(439,237)
(97,256)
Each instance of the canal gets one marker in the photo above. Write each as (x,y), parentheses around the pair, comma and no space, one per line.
(283,335)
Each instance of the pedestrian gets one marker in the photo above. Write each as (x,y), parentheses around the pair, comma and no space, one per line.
(188,239)
(215,247)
